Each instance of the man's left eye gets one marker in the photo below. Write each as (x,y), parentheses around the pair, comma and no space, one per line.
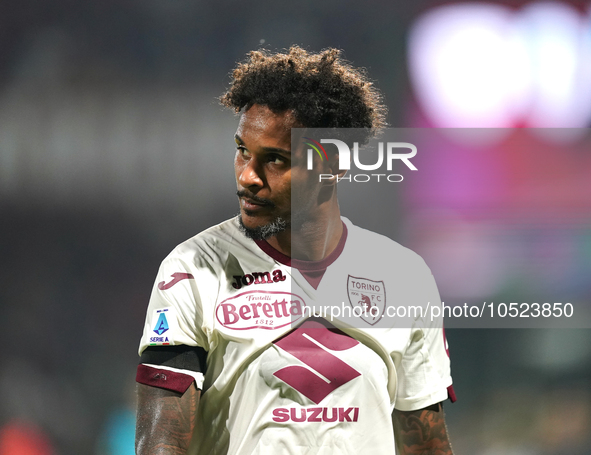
(276,159)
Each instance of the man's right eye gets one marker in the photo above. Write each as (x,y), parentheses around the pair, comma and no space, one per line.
(242,150)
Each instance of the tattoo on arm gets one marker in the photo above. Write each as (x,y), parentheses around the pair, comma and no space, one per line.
(421,432)
(165,420)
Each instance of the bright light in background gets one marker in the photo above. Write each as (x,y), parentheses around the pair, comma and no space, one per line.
(558,50)
(467,67)
(485,65)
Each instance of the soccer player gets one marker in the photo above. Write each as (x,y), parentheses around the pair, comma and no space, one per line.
(232,360)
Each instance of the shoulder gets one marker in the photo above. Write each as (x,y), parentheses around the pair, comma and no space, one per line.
(212,245)
(375,247)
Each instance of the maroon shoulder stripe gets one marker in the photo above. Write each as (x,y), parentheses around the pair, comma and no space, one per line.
(164,379)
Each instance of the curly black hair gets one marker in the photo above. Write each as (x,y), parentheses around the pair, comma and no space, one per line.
(322,89)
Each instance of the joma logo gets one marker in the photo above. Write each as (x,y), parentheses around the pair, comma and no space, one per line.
(257,278)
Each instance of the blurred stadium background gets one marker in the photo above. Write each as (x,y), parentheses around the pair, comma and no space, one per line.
(113,150)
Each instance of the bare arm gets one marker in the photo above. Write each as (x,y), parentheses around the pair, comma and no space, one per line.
(421,432)
(165,420)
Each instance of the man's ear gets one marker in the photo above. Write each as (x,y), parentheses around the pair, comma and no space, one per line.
(334,170)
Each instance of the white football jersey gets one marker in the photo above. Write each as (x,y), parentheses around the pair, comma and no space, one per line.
(285,373)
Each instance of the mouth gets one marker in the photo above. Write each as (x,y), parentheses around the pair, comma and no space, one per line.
(252,203)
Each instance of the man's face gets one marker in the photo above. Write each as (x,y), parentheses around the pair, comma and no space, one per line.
(264,171)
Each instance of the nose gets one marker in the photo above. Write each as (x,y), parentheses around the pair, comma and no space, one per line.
(250,174)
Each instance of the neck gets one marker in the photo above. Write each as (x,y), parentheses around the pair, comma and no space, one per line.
(312,240)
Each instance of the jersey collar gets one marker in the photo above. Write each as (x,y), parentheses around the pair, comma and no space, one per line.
(305,265)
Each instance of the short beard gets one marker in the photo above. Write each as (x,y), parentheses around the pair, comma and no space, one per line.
(264,232)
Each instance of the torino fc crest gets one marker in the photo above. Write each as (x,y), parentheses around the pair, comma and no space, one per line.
(367,297)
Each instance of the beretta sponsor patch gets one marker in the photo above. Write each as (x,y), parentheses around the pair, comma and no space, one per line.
(260,309)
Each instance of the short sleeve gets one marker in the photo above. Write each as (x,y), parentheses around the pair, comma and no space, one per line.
(175,313)
(172,367)
(424,373)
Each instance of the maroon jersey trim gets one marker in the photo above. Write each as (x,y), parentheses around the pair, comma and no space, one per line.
(305,265)
(451,394)
(164,379)
(312,271)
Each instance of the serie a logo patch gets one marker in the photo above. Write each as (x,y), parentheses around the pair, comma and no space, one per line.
(162,327)
(161,324)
